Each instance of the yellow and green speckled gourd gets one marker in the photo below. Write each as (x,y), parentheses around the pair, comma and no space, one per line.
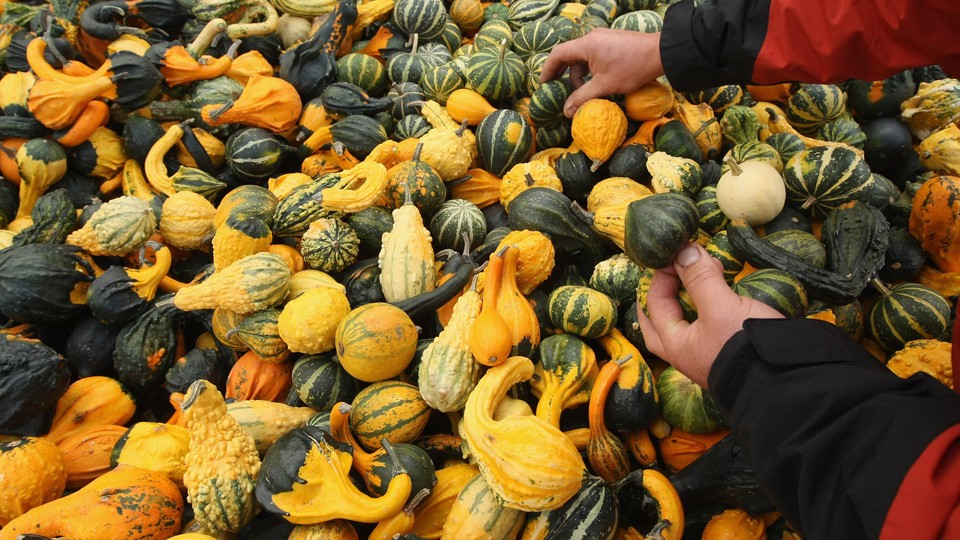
(117,228)
(222,463)
(250,284)
(509,451)
(448,371)
(406,256)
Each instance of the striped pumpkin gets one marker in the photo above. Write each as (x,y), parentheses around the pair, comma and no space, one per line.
(718,97)
(440,81)
(591,513)
(407,67)
(300,208)
(390,410)
(684,404)
(719,248)
(822,178)
(712,219)
(534,67)
(753,151)
(646,21)
(603,9)
(775,288)
(457,224)
(496,73)
(364,71)
(495,11)
(616,277)
(254,153)
(843,130)
(452,37)
(546,103)
(321,382)
(259,332)
(411,126)
(436,54)
(535,37)
(329,245)
(802,244)
(467,14)
(524,11)
(906,312)
(813,105)
(582,311)
(787,145)
(493,34)
(424,17)
(504,139)
(376,342)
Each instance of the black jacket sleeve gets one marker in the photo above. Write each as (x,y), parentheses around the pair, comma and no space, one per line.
(830,431)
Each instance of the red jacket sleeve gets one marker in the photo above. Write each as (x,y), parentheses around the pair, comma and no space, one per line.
(770,41)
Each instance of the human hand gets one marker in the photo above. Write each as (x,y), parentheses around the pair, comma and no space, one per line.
(693,347)
(620,61)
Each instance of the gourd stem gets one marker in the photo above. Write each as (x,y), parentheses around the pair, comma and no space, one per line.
(880,286)
(417,499)
(529,179)
(397,466)
(232,50)
(214,114)
(466,244)
(344,408)
(415,40)
(51,46)
(458,181)
(809,202)
(501,251)
(463,128)
(417,151)
(734,166)
(581,213)
(503,49)
(596,165)
(624,360)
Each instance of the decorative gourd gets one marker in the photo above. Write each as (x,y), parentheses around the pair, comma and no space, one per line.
(252,378)
(375,342)
(734,523)
(406,259)
(548,211)
(478,512)
(814,105)
(562,376)
(751,190)
(582,311)
(822,178)
(524,176)
(186,221)
(656,490)
(490,339)
(753,151)
(703,126)
(449,150)
(266,421)
(467,105)
(238,237)
(116,228)
(508,450)
(431,514)
(308,323)
(680,448)
(739,124)
(775,288)
(90,401)
(86,453)
(102,509)
(685,405)
(935,221)
(504,139)
(613,190)
(658,227)
(221,496)
(34,473)
(599,126)
(930,356)
(606,453)
(40,164)
(934,106)
(321,382)
(155,447)
(58,104)
(329,245)
(632,403)
(651,101)
(447,372)
(249,284)
(259,332)
(906,312)
(458,224)
(674,174)
(335,529)
(147,346)
(390,410)
(593,513)
(417,180)
(514,308)
(496,73)
(536,258)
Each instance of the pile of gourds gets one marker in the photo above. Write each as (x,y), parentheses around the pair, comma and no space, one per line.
(317,269)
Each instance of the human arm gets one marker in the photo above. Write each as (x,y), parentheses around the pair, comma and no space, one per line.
(843,447)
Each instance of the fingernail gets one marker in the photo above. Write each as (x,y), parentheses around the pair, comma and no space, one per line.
(688,255)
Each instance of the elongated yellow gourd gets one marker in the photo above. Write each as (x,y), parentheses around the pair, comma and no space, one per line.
(406,256)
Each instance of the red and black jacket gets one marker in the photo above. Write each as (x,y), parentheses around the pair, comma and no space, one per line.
(771,41)
(844,448)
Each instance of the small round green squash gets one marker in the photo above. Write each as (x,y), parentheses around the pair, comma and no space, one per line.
(658,227)
(582,311)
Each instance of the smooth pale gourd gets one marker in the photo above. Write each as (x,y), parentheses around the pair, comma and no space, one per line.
(753,191)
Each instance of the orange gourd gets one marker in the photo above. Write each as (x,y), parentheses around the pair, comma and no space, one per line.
(86,453)
(490,341)
(515,309)
(649,102)
(681,448)
(481,188)
(270,103)
(465,104)
(91,401)
(734,524)
(252,378)
(935,221)
(58,104)
(33,473)
(606,454)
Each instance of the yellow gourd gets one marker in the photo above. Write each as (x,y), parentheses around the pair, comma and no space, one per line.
(431,514)
(524,176)
(450,151)
(250,284)
(91,401)
(536,260)
(490,341)
(308,323)
(599,126)
(186,221)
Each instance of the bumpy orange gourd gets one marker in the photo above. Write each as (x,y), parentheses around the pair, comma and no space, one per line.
(935,220)
(33,473)
(599,126)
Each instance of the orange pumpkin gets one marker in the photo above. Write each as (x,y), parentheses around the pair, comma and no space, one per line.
(252,378)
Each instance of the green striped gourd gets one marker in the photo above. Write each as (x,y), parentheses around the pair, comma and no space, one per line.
(775,288)
(254,153)
(582,311)
(436,54)
(753,151)
(321,382)
(585,25)
(424,17)
(814,105)
(591,513)
(414,180)
(786,144)
(197,181)
(496,73)
(440,81)
(391,410)
(616,277)
(406,96)
(671,174)
(458,224)
(411,126)
(118,227)
(546,103)
(329,245)
(504,139)
(259,333)
(684,404)
(843,130)
(712,219)
(249,200)
(636,5)
(478,512)
(447,370)
(535,37)
(267,421)
(802,244)
(604,9)
(407,67)
(493,34)
(719,98)
(451,36)
(524,11)
(534,66)
(301,207)
(496,11)
(364,71)
(558,136)
(719,248)
(906,312)
(646,21)
(822,178)
(253,283)
(406,259)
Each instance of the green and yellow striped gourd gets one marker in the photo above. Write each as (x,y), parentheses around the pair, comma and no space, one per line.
(448,372)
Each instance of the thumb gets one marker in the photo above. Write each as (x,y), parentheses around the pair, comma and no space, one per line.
(585,93)
(702,276)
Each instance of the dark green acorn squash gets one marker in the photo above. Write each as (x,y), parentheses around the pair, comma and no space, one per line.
(548,211)
(591,513)
(822,178)
(34,378)
(344,98)
(720,248)
(628,161)
(111,297)
(686,405)
(362,282)
(775,288)
(197,364)
(54,218)
(89,347)
(803,244)
(658,227)
(904,257)
(573,170)
(43,283)
(675,139)
(321,383)
(880,99)
(906,312)
(888,141)
(370,224)
(254,153)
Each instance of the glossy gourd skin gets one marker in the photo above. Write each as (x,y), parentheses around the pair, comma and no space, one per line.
(753,191)
(91,401)
(406,258)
